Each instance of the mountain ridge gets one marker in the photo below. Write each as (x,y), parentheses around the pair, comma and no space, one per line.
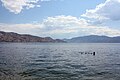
(94,39)
(15,37)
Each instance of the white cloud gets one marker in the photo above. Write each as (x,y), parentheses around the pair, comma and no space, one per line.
(62,22)
(27,28)
(108,10)
(77,26)
(60,27)
(16,6)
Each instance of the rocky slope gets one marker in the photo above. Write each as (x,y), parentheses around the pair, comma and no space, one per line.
(14,37)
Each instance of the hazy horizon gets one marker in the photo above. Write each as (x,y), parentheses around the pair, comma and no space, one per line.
(60,52)
(61,18)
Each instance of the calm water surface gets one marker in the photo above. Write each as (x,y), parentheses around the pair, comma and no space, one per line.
(59,61)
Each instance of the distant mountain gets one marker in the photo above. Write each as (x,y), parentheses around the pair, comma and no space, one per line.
(94,39)
(14,37)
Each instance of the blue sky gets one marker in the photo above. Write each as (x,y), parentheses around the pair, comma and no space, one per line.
(60,18)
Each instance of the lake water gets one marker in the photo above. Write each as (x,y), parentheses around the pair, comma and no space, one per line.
(59,61)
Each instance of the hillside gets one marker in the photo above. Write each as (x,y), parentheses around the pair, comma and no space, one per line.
(15,37)
(94,39)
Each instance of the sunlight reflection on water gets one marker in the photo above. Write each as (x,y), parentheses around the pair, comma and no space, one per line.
(59,61)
